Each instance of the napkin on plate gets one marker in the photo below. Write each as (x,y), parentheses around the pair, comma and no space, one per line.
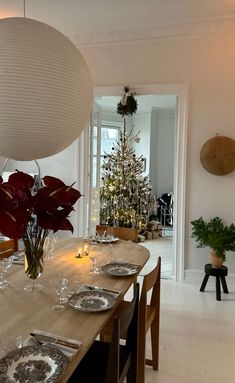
(70,352)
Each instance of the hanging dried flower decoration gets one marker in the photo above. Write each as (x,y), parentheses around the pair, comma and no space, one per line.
(128,104)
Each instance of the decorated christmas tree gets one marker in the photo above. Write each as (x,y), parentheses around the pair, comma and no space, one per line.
(125,195)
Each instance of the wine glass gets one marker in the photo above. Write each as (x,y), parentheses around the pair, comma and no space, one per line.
(61,287)
(110,235)
(100,235)
(49,248)
(94,253)
(2,281)
(5,264)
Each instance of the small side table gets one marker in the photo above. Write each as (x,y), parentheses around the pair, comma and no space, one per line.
(219,274)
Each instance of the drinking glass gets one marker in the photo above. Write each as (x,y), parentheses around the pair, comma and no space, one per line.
(100,235)
(19,341)
(49,248)
(94,254)
(110,235)
(3,284)
(5,264)
(61,287)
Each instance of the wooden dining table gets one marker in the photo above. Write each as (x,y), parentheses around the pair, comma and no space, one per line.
(22,311)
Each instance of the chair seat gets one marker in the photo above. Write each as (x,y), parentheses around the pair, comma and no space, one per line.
(93,365)
(108,330)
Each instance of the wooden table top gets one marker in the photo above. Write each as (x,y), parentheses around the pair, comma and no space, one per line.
(22,311)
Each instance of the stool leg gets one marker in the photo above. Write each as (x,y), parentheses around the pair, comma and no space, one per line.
(218,294)
(204,282)
(224,284)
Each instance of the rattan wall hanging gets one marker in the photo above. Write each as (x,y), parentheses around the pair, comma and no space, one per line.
(218,155)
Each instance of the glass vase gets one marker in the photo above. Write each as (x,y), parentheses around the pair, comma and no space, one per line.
(33,262)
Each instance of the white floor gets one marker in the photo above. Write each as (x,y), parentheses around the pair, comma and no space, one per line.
(162,247)
(197,336)
(197,333)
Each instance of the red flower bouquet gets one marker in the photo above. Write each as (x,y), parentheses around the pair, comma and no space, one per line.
(31,215)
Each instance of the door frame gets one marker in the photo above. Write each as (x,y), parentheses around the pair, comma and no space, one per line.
(181,91)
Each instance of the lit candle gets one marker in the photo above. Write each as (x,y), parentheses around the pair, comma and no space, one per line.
(86,249)
(79,254)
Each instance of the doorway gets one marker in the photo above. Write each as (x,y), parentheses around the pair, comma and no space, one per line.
(180,91)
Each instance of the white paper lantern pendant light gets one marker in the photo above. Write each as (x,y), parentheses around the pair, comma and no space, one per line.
(46,90)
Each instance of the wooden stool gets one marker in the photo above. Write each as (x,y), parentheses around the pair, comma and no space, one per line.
(218,273)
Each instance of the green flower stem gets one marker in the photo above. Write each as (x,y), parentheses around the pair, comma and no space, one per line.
(34,241)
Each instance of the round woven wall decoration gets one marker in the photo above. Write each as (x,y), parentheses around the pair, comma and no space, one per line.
(218,155)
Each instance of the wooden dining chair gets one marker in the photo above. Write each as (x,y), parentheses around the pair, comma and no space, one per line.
(113,362)
(7,247)
(149,318)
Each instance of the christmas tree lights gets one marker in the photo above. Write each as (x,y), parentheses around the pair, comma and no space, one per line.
(125,195)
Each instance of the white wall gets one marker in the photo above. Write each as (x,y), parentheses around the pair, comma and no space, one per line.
(162,151)
(208,64)
(62,165)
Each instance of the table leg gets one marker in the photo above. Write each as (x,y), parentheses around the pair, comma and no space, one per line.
(224,284)
(218,294)
(204,282)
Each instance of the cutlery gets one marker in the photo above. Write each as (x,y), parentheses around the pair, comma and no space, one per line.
(103,289)
(62,348)
(46,338)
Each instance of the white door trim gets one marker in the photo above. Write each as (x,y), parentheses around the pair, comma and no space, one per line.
(181,90)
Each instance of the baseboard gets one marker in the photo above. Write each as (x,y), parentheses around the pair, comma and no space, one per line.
(196,277)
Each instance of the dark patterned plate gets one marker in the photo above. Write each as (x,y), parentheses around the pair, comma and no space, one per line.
(120,269)
(92,300)
(30,364)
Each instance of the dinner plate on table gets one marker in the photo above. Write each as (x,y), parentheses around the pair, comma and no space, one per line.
(92,301)
(30,364)
(120,269)
(107,240)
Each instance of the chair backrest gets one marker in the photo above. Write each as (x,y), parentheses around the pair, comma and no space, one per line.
(148,313)
(125,322)
(125,233)
(151,281)
(7,247)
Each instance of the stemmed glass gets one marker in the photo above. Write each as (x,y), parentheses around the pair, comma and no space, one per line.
(2,281)
(61,287)
(100,235)
(5,264)
(94,254)
(49,248)
(110,235)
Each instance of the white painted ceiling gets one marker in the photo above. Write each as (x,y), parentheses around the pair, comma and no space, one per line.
(110,21)
(92,21)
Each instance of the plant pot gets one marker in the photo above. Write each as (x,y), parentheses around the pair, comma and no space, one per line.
(216,261)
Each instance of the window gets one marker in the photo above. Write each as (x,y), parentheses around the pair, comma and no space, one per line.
(109,134)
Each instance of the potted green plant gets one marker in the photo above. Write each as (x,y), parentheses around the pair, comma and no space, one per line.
(215,234)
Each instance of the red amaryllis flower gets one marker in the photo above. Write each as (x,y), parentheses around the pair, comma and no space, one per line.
(24,215)
(23,179)
(64,195)
(12,224)
(55,219)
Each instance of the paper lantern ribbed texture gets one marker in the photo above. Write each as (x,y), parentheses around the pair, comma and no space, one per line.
(46,90)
